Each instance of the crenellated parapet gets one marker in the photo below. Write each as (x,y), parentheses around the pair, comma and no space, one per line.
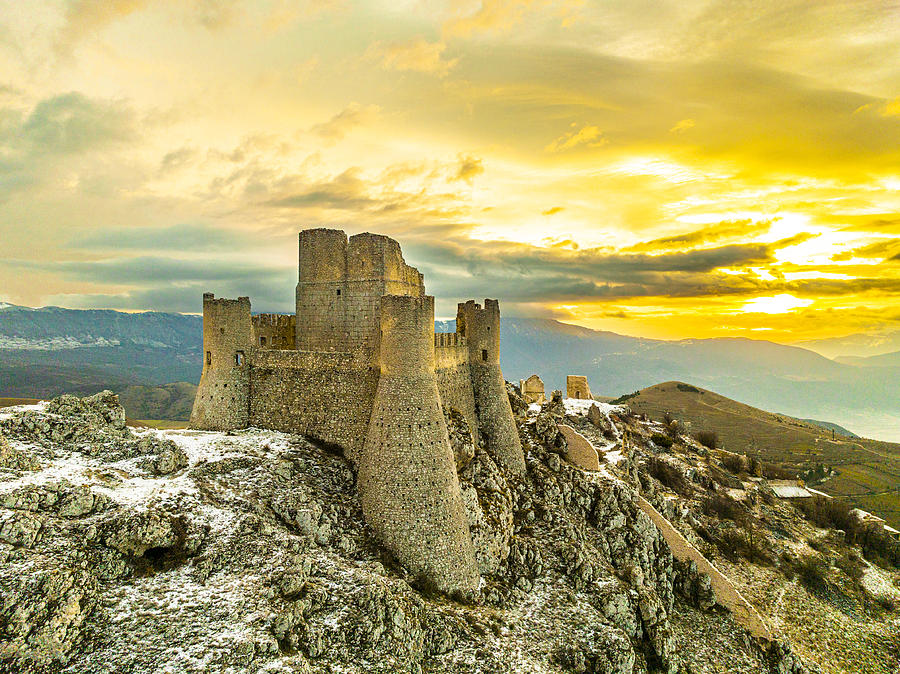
(274,331)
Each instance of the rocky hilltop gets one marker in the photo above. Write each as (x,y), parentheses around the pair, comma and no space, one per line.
(141,550)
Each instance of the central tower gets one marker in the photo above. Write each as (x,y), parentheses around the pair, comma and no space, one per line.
(340,286)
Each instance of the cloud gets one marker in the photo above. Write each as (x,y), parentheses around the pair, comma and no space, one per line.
(346,191)
(586,135)
(722,231)
(468,168)
(85,18)
(417,55)
(184,237)
(346,120)
(500,16)
(177,158)
(61,138)
(553,211)
(72,123)
(683,126)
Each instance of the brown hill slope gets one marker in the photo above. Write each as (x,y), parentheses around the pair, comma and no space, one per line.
(867,471)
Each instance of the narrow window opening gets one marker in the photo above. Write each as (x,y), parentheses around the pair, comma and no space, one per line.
(339,292)
(262,341)
(239,358)
(209,357)
(484,354)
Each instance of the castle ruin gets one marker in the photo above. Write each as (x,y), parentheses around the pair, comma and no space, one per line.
(360,367)
(532,390)
(577,387)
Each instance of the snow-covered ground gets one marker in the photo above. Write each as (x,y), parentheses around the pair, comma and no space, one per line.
(54,343)
(123,481)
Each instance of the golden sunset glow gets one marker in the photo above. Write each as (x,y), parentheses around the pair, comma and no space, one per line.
(671,169)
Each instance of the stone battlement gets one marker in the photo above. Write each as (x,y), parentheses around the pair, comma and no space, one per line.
(448,339)
(360,367)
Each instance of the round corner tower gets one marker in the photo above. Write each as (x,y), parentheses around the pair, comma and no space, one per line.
(407,476)
(481,328)
(223,396)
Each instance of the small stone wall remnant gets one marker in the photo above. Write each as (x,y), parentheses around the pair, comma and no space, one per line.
(533,390)
(577,387)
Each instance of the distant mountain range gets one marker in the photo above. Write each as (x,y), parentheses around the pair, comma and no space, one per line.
(47,351)
(858,345)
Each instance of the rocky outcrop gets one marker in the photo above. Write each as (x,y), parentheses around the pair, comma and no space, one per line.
(197,551)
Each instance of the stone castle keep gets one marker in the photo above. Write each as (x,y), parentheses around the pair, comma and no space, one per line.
(360,367)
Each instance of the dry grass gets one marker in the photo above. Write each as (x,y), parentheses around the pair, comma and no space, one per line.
(869,469)
(14,402)
(162,424)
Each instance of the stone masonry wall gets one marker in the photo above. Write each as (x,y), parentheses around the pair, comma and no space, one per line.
(454,378)
(341,283)
(274,331)
(222,400)
(407,480)
(481,328)
(577,387)
(327,396)
(532,389)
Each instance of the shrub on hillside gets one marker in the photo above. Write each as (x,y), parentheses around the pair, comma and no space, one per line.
(709,439)
(831,513)
(888,603)
(851,564)
(673,428)
(662,440)
(734,463)
(747,543)
(812,571)
(669,475)
(772,471)
(725,507)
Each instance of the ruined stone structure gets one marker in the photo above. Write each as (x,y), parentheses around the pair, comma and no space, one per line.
(577,387)
(533,390)
(361,368)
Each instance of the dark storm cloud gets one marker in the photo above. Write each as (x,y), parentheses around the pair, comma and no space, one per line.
(523,273)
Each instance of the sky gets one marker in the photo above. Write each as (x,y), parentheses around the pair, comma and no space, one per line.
(716,168)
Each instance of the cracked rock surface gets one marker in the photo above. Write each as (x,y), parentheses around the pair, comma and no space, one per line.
(126,550)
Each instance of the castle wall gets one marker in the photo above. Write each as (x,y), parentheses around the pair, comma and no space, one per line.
(481,328)
(407,481)
(223,396)
(454,378)
(327,396)
(577,387)
(532,390)
(274,331)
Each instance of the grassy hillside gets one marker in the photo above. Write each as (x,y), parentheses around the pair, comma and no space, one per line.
(166,406)
(868,471)
(169,401)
